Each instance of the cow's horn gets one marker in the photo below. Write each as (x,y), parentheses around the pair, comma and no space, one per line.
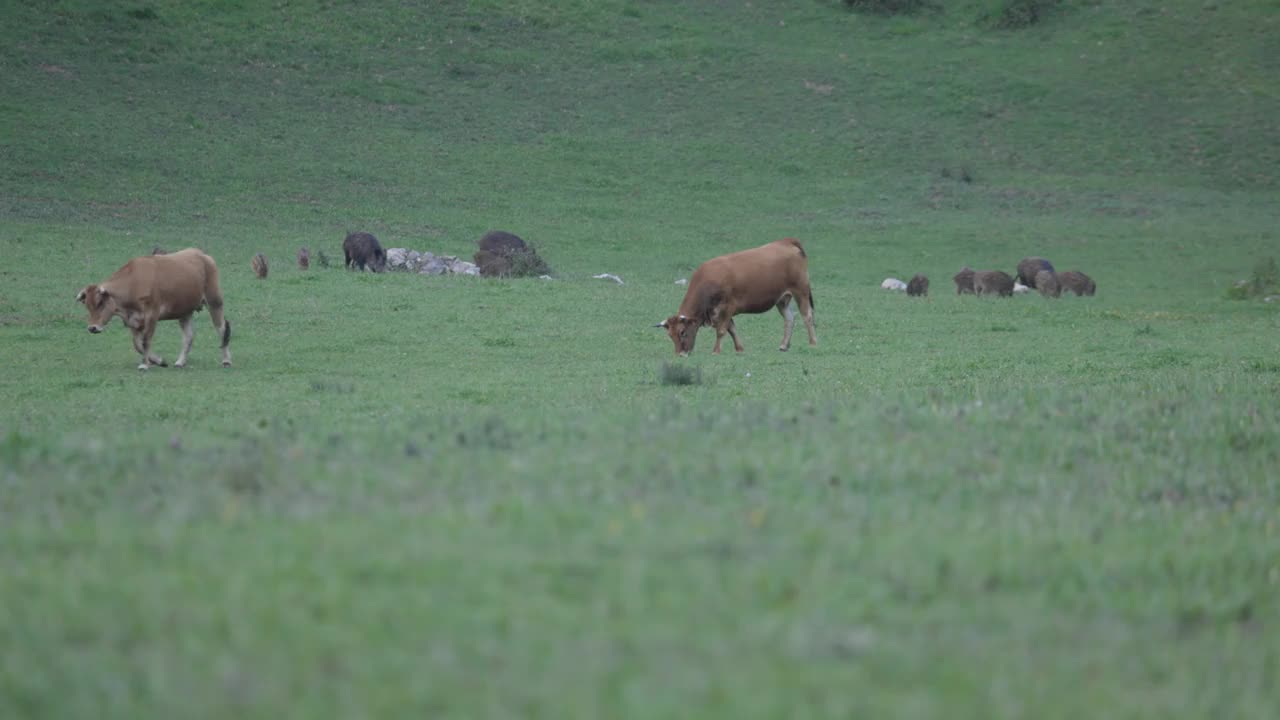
(80,296)
(661,324)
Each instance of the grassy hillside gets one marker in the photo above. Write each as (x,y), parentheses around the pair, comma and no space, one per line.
(457,497)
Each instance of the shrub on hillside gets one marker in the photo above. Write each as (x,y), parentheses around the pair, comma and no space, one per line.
(1264,281)
(1018,14)
(889,7)
(503,254)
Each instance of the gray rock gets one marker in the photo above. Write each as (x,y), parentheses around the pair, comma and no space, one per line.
(397,258)
(418,259)
(434,266)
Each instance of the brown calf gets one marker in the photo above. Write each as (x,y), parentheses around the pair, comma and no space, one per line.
(750,281)
(152,288)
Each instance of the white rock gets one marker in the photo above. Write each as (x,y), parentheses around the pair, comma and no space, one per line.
(609,276)
(397,258)
(462,267)
(544,277)
(1019,288)
(893,284)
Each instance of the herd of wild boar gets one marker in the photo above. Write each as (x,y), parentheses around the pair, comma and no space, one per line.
(1033,273)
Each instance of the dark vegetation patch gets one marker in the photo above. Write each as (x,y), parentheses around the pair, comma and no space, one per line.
(678,374)
(962,173)
(1264,281)
(491,433)
(1019,14)
(890,7)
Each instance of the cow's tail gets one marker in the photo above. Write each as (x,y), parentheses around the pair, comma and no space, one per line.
(226,332)
(796,243)
(812,304)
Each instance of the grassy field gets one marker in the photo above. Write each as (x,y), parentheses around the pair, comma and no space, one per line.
(456,497)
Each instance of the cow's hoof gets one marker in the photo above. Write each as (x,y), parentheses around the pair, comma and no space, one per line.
(226,363)
(179,365)
(143,366)
(783,348)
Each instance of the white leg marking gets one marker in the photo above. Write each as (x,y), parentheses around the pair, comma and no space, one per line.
(188,334)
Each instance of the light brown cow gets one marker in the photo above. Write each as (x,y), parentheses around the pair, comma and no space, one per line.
(159,287)
(750,281)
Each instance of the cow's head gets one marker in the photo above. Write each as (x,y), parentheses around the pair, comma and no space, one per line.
(683,331)
(378,263)
(101,305)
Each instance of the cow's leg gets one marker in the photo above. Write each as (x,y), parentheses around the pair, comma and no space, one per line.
(732,329)
(188,334)
(719,336)
(137,345)
(806,310)
(143,338)
(223,327)
(788,321)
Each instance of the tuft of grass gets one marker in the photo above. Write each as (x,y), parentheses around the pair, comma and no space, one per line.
(679,374)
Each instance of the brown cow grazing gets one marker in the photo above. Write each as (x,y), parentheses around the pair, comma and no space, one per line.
(749,281)
(918,286)
(304,258)
(964,280)
(988,282)
(1077,282)
(260,266)
(1047,284)
(152,288)
(1028,268)
(363,250)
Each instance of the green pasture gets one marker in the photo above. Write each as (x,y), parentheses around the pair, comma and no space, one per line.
(419,496)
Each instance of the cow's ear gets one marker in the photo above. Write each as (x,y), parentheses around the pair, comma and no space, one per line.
(80,296)
(661,324)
